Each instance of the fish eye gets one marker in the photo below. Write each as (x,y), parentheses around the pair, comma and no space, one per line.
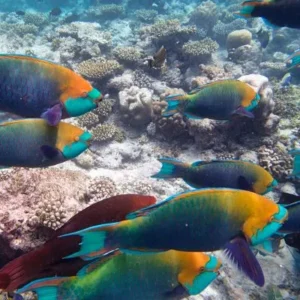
(202,269)
(84,95)
(77,139)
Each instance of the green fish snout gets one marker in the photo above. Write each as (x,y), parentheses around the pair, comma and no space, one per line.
(79,106)
(208,274)
(76,148)
(272,227)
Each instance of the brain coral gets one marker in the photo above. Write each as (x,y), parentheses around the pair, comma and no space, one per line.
(136,105)
(238,38)
(97,70)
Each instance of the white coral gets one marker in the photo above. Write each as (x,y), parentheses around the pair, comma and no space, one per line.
(136,105)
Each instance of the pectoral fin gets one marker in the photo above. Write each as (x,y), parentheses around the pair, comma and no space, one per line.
(239,252)
(179,292)
(53,115)
(49,152)
(243,112)
(244,184)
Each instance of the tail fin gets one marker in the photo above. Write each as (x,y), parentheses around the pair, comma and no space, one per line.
(174,103)
(296,163)
(46,288)
(95,241)
(171,168)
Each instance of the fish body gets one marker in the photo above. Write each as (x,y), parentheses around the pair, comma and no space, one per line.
(280,13)
(200,220)
(34,88)
(285,82)
(234,174)
(169,275)
(48,261)
(218,100)
(33,143)
(296,164)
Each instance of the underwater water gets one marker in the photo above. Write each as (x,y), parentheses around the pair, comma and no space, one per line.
(108,108)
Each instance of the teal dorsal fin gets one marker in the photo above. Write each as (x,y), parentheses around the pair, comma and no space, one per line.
(45,288)
(147,210)
(199,163)
(97,263)
(195,90)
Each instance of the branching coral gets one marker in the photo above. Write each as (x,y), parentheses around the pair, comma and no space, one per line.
(200,50)
(205,15)
(277,161)
(130,55)
(168,30)
(37,19)
(88,120)
(136,105)
(97,70)
(146,15)
(107,132)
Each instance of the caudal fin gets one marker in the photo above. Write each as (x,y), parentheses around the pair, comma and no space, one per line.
(174,103)
(95,241)
(4,281)
(171,168)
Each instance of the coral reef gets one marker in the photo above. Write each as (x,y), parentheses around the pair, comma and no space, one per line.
(221,30)
(129,55)
(200,51)
(146,15)
(107,132)
(238,38)
(98,70)
(136,105)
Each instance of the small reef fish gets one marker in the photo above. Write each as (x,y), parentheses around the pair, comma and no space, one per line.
(263,37)
(234,174)
(33,143)
(218,100)
(286,81)
(56,11)
(47,260)
(296,164)
(158,60)
(168,275)
(200,220)
(293,61)
(34,88)
(20,12)
(279,13)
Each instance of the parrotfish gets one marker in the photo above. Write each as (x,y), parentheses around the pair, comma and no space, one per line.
(48,261)
(200,220)
(34,88)
(168,275)
(278,13)
(219,100)
(293,61)
(234,174)
(33,143)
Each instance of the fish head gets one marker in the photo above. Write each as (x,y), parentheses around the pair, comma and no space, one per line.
(264,183)
(72,140)
(207,271)
(87,101)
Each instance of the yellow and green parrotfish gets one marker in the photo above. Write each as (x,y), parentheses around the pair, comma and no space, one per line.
(200,220)
(234,174)
(168,275)
(33,143)
(219,100)
(35,88)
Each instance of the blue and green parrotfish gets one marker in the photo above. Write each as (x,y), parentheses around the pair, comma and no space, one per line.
(234,174)
(47,260)
(33,143)
(34,88)
(161,276)
(200,220)
(219,100)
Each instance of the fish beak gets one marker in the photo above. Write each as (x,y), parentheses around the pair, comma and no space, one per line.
(98,100)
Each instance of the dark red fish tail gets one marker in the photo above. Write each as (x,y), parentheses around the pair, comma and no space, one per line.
(4,281)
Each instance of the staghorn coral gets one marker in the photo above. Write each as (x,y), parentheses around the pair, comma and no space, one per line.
(146,15)
(107,132)
(136,105)
(200,51)
(238,38)
(168,31)
(98,70)
(275,160)
(205,15)
(129,55)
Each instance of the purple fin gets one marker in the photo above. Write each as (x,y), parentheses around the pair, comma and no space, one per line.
(244,184)
(49,151)
(177,293)
(243,112)
(53,115)
(239,252)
